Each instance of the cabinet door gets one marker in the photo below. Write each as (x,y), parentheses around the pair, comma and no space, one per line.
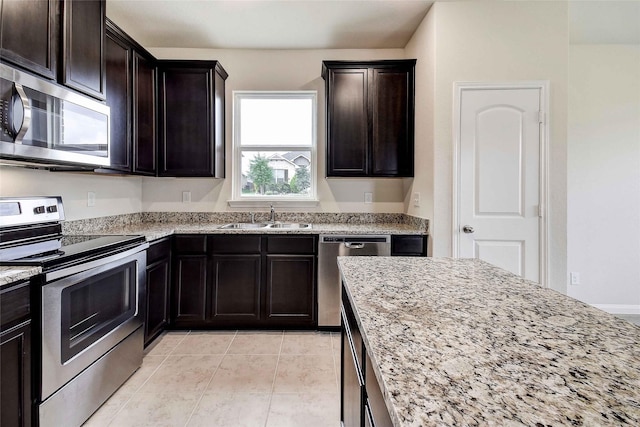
(189,294)
(290,289)
(83,46)
(351,385)
(157,313)
(375,407)
(219,128)
(186,121)
(347,122)
(28,35)
(235,290)
(118,97)
(15,371)
(144,115)
(392,122)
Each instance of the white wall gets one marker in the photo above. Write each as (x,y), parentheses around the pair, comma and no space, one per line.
(604,175)
(114,194)
(275,70)
(491,42)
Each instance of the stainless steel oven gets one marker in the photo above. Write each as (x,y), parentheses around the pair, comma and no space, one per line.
(88,324)
(44,123)
(88,310)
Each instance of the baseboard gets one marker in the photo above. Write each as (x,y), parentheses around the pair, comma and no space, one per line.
(619,308)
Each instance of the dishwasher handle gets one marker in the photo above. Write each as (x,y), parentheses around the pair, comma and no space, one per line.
(353,245)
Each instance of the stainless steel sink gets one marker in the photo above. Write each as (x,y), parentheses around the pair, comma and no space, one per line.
(244,225)
(289,225)
(258,225)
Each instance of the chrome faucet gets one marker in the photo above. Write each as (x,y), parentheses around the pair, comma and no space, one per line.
(272,215)
(253,217)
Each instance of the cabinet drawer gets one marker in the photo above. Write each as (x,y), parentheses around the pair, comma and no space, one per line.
(158,250)
(15,304)
(235,244)
(409,245)
(375,400)
(191,244)
(291,244)
(351,328)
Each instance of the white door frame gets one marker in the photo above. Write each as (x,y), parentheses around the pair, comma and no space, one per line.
(543,86)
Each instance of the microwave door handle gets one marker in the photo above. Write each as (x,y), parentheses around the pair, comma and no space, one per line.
(26,113)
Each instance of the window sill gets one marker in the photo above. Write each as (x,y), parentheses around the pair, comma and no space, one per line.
(309,203)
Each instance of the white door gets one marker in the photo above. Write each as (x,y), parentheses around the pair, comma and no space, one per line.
(499,178)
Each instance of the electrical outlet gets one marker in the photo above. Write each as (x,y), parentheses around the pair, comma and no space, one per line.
(368,197)
(575,278)
(186,197)
(416,200)
(91,198)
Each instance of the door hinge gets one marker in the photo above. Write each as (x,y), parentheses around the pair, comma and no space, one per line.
(540,211)
(541,116)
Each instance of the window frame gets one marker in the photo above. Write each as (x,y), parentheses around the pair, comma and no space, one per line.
(238,199)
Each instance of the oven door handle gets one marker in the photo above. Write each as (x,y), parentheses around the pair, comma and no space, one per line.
(58,274)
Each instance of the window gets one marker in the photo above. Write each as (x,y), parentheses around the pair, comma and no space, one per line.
(274,146)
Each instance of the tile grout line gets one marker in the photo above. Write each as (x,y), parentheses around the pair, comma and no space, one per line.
(193,411)
(273,383)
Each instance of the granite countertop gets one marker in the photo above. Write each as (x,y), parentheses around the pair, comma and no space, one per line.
(153,231)
(14,274)
(459,342)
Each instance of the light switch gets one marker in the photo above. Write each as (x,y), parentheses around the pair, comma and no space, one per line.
(575,278)
(416,199)
(186,197)
(91,198)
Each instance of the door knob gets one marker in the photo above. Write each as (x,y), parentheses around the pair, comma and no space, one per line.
(468,229)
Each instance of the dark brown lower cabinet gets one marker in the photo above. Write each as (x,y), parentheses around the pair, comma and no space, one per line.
(409,245)
(15,387)
(157,292)
(15,355)
(352,383)
(290,287)
(235,289)
(362,402)
(189,291)
(244,280)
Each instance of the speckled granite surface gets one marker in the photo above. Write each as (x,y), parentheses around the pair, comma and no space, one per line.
(463,343)
(155,225)
(13,274)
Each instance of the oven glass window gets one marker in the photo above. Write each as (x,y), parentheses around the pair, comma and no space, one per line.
(95,306)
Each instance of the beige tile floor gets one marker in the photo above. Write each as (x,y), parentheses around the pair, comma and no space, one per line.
(231,378)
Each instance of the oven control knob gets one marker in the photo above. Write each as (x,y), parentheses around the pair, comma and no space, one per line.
(52,209)
(38,210)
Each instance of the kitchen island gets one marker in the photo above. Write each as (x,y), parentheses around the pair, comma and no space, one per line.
(461,342)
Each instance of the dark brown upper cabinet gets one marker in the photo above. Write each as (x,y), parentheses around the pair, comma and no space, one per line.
(118,97)
(131,95)
(370,118)
(28,35)
(145,130)
(191,107)
(83,46)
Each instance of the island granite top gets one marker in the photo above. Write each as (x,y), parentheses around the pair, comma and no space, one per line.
(459,342)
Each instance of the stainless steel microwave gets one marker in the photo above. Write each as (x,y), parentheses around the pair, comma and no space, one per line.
(47,124)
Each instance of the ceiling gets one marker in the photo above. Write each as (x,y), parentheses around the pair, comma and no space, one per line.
(268,24)
(328,24)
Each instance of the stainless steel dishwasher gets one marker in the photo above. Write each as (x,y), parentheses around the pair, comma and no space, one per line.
(329,284)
